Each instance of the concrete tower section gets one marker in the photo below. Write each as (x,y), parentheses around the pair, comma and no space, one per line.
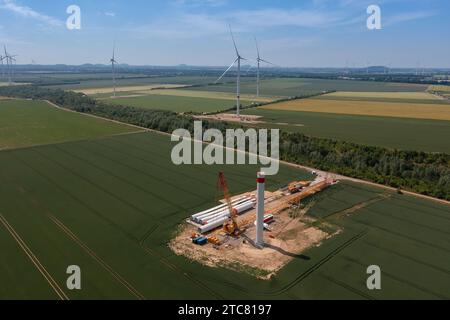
(261,180)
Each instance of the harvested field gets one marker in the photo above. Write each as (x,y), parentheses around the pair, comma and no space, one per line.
(209,95)
(366,108)
(95,91)
(399,97)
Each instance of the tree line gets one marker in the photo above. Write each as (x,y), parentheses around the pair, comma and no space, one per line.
(421,172)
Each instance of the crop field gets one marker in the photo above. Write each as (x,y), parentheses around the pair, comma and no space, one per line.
(439,88)
(26,123)
(401,97)
(207,94)
(176,103)
(111,205)
(289,87)
(366,108)
(396,133)
(108,91)
(137,81)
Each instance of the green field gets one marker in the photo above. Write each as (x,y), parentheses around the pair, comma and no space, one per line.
(25,123)
(106,81)
(122,200)
(399,133)
(177,103)
(288,87)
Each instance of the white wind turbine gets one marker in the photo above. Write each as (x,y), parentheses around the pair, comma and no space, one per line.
(258,74)
(9,63)
(239,58)
(113,66)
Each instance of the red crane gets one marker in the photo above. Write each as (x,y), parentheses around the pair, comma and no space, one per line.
(230,226)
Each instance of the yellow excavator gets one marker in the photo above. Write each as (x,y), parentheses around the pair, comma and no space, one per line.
(230,226)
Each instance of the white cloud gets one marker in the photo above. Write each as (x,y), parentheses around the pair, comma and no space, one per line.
(110,14)
(27,12)
(406,17)
(197,3)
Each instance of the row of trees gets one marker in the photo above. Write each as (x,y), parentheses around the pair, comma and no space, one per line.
(425,173)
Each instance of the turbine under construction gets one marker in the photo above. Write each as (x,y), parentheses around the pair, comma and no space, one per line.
(238,59)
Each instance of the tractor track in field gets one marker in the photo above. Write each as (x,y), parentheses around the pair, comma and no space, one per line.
(319,264)
(398,234)
(123,180)
(48,277)
(131,168)
(173,266)
(409,283)
(141,242)
(98,259)
(347,287)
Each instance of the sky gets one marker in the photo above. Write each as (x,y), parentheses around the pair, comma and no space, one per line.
(290,33)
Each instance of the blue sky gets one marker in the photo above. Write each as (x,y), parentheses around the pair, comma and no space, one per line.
(301,33)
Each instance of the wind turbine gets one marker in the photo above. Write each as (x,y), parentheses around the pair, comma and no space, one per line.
(238,59)
(3,65)
(258,74)
(113,65)
(9,62)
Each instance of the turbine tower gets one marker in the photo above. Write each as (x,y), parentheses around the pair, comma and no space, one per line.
(238,59)
(258,73)
(113,66)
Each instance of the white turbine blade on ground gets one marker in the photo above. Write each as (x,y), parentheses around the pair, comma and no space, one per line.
(229,68)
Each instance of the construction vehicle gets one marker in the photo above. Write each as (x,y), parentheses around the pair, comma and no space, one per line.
(214,240)
(230,226)
(297,186)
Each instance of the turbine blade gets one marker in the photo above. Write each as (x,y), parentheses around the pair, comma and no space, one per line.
(265,61)
(257,48)
(223,75)
(234,41)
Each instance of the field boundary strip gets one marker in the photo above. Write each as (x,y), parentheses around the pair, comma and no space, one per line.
(94,256)
(51,281)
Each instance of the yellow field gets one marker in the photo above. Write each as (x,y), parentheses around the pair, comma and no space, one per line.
(127,89)
(207,94)
(385,95)
(439,88)
(384,109)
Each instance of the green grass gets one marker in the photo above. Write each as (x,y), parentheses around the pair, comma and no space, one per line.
(25,123)
(124,199)
(288,87)
(176,103)
(399,133)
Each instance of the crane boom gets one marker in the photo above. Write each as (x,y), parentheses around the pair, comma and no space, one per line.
(231,226)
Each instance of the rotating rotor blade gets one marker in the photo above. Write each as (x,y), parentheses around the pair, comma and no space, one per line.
(257,48)
(229,68)
(234,42)
(265,61)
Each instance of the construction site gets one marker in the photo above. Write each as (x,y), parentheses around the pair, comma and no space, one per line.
(258,231)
